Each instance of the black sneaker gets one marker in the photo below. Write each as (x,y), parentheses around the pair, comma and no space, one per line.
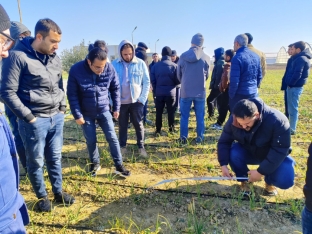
(44,204)
(157,134)
(122,171)
(64,198)
(94,168)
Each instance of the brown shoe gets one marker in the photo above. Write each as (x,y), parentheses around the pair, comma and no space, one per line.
(245,188)
(269,190)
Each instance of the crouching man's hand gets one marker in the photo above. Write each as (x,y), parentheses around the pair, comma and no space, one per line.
(226,172)
(254,176)
(80,121)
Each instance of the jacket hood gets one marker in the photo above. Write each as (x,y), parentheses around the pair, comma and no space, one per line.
(306,52)
(123,42)
(193,54)
(218,53)
(16,29)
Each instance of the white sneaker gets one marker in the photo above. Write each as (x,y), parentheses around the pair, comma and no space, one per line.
(216,127)
(142,153)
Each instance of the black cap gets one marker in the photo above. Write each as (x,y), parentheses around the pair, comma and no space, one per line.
(174,53)
(142,44)
(166,51)
(4,19)
(250,37)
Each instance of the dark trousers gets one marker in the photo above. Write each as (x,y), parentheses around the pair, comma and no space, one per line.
(161,101)
(178,96)
(223,107)
(212,101)
(145,111)
(135,111)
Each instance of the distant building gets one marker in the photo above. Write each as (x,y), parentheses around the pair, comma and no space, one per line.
(282,55)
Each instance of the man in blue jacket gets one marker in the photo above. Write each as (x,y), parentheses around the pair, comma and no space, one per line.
(32,88)
(284,86)
(13,211)
(134,88)
(245,72)
(295,79)
(193,71)
(164,80)
(257,134)
(89,82)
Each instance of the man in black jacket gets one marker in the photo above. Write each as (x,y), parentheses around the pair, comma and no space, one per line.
(164,81)
(262,136)
(31,89)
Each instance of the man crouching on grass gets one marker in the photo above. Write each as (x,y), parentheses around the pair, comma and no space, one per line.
(262,137)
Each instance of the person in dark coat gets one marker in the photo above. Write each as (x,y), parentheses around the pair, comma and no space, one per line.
(212,99)
(307,190)
(257,134)
(164,81)
(140,52)
(175,58)
(13,211)
(89,83)
(246,73)
(155,58)
(284,86)
(295,80)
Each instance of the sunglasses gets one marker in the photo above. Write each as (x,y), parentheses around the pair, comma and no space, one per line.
(8,43)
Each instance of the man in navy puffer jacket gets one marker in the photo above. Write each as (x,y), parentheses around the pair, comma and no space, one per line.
(89,82)
(245,73)
(164,80)
(295,79)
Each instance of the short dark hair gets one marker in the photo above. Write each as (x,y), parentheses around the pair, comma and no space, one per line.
(154,54)
(101,44)
(44,26)
(300,45)
(230,53)
(245,108)
(125,46)
(97,53)
(290,45)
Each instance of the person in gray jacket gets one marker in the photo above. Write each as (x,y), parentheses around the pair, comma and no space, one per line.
(31,88)
(193,71)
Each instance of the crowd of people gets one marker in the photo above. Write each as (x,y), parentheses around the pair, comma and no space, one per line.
(100,92)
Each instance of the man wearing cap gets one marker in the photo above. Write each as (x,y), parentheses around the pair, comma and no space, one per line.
(17,31)
(192,72)
(246,73)
(164,81)
(258,52)
(13,210)
(174,57)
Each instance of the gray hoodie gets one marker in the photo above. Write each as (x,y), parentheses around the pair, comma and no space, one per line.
(193,71)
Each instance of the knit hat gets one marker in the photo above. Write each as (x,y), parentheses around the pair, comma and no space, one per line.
(4,19)
(166,51)
(174,53)
(250,37)
(142,44)
(17,28)
(198,40)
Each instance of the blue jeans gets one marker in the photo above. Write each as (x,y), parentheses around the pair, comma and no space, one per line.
(283,177)
(306,218)
(17,138)
(43,139)
(293,96)
(199,106)
(105,121)
(135,112)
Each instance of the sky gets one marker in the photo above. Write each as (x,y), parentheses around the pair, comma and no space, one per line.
(273,23)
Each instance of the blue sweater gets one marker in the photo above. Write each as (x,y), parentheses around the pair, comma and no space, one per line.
(193,71)
(88,93)
(246,74)
(11,201)
(299,69)
(164,77)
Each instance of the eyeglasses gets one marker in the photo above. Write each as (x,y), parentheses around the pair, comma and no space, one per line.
(8,43)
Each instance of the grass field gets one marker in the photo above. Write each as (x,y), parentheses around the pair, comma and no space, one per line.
(109,204)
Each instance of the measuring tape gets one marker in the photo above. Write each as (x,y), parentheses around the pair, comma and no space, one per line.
(199,179)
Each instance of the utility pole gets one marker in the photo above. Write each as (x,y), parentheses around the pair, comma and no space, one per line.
(19,10)
(155,45)
(132,33)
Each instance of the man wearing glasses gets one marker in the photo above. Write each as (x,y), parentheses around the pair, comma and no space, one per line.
(262,136)
(32,88)
(13,211)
